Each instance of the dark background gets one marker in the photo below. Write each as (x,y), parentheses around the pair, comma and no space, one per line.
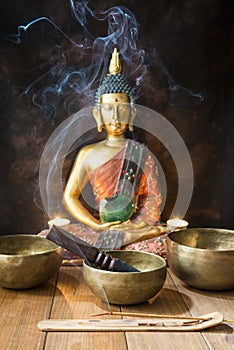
(194,41)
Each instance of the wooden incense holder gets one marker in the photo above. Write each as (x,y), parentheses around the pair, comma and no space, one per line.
(132,325)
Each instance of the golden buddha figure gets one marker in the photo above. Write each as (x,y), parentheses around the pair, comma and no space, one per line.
(122,172)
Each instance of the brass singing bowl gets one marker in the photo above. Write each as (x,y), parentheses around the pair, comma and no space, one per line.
(126,288)
(27,261)
(202,257)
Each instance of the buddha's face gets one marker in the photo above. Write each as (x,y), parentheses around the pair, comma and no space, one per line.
(115,113)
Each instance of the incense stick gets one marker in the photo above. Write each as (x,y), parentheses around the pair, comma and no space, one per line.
(139,314)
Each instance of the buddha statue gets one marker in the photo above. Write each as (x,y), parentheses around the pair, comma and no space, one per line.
(121,171)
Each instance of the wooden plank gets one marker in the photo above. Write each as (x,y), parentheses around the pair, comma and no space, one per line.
(72,300)
(20,311)
(168,302)
(219,337)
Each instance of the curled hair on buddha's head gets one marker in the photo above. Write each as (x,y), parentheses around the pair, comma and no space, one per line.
(114,82)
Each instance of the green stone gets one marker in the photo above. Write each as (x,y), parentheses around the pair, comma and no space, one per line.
(116,208)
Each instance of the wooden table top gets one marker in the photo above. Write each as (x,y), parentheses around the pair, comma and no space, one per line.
(67,297)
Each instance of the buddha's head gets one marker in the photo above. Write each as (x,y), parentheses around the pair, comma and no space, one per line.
(114,101)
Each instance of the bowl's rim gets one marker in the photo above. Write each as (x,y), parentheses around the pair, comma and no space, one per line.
(131,252)
(29,255)
(201,249)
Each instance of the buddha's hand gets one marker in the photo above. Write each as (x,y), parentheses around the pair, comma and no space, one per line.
(104,226)
(129,226)
(137,232)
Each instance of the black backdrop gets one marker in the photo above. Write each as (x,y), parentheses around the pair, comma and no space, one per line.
(194,40)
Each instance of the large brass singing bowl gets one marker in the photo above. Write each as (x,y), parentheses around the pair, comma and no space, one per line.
(202,257)
(125,288)
(27,261)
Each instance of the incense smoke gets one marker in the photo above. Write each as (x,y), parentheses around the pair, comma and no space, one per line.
(78,65)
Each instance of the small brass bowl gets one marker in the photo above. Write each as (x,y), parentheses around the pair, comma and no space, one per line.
(202,257)
(27,261)
(125,288)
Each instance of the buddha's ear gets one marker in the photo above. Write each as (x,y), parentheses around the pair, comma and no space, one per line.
(132,117)
(97,117)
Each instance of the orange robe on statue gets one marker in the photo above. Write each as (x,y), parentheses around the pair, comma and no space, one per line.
(104,181)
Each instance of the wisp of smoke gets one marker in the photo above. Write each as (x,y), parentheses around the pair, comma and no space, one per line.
(74,83)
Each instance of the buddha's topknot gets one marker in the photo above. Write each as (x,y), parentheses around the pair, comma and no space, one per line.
(114,82)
